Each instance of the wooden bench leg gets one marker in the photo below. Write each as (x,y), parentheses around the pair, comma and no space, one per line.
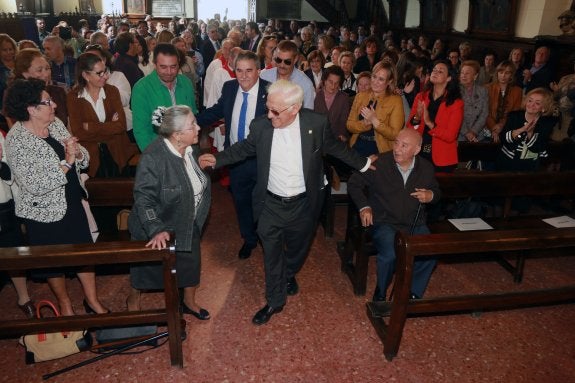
(519,266)
(173,311)
(361,265)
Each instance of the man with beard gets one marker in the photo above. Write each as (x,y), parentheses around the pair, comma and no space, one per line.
(163,87)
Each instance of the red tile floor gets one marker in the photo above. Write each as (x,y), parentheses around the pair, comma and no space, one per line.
(323,334)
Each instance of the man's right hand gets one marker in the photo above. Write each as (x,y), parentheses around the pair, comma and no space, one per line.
(207,161)
(366,216)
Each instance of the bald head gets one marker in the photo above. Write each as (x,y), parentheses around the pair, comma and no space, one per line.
(406,146)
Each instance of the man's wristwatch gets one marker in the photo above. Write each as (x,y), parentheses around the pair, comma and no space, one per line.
(64,163)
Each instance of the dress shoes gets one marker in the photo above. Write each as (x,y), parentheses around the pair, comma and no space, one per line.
(29,309)
(292,286)
(264,315)
(414,296)
(246,251)
(202,315)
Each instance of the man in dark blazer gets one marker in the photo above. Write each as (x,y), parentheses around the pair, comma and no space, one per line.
(253,37)
(210,45)
(290,143)
(243,175)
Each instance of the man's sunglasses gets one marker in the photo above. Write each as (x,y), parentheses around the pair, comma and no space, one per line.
(286,61)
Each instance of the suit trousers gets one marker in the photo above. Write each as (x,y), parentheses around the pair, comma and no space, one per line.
(286,230)
(384,241)
(243,178)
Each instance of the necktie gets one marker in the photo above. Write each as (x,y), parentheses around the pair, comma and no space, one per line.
(242,122)
(218,45)
(251,45)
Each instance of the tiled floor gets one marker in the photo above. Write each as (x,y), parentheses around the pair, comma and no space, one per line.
(323,334)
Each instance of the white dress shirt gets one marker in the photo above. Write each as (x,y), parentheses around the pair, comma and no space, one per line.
(286,163)
(250,114)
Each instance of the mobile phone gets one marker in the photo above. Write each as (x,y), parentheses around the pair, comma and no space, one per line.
(369,105)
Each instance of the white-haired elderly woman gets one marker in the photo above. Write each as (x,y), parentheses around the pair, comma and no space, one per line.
(171,201)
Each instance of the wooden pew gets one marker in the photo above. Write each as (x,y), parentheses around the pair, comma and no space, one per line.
(458,245)
(114,192)
(454,186)
(101,253)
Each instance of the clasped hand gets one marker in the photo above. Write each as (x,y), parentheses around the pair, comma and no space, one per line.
(207,161)
(71,149)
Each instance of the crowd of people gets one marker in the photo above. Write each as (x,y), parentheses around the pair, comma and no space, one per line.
(84,103)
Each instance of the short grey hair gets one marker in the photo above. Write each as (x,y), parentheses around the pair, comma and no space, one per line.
(174,120)
(292,92)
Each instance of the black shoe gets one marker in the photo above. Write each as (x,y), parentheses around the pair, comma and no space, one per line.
(377,295)
(202,315)
(89,309)
(264,315)
(378,298)
(246,251)
(292,286)
(29,309)
(414,296)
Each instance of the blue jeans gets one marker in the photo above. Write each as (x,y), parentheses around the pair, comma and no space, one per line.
(384,240)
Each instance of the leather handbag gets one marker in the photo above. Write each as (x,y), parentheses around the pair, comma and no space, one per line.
(48,346)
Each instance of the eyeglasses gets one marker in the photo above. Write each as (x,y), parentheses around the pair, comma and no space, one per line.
(101,73)
(47,102)
(277,113)
(93,46)
(286,61)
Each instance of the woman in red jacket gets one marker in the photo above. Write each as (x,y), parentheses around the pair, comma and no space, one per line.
(437,115)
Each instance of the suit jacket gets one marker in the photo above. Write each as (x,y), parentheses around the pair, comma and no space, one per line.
(208,51)
(225,106)
(317,140)
(541,78)
(246,44)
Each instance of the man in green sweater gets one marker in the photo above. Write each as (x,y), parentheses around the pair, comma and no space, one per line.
(163,87)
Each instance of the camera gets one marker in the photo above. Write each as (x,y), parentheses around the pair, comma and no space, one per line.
(65,32)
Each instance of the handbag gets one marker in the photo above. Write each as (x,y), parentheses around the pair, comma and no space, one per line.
(54,345)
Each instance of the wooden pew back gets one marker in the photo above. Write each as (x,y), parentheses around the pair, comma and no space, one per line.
(459,245)
(101,253)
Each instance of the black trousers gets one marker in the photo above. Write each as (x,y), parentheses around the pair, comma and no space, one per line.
(286,230)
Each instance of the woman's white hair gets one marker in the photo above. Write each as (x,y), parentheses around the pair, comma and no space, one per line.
(174,120)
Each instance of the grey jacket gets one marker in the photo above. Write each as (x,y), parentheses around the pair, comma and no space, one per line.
(164,198)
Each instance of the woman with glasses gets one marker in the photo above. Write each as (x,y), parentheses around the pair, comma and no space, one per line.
(119,80)
(97,117)
(171,201)
(265,51)
(45,161)
(377,116)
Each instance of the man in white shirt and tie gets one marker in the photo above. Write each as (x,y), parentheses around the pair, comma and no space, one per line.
(241,100)
(289,144)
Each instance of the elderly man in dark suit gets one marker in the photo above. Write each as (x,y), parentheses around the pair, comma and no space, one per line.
(237,115)
(289,143)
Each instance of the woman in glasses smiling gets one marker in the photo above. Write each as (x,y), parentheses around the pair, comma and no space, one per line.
(97,117)
(46,161)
